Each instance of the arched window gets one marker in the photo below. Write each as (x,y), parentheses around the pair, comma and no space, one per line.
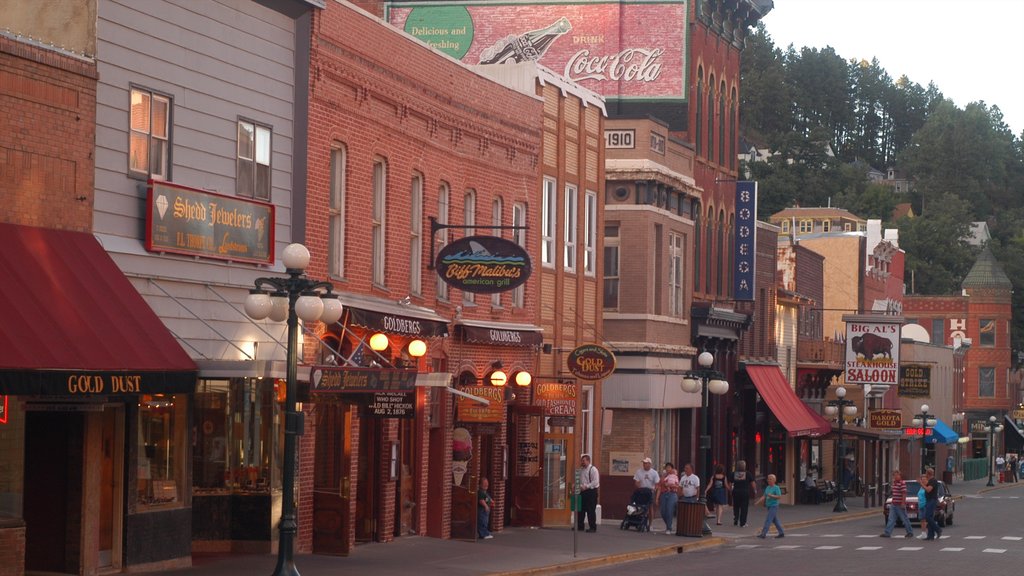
(696,247)
(720,273)
(698,124)
(709,250)
(732,130)
(721,124)
(711,119)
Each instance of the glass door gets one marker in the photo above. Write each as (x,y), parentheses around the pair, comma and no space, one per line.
(558,478)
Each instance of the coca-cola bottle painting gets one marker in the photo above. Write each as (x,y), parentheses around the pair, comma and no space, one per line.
(525,47)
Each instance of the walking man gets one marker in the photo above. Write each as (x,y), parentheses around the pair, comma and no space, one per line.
(931,499)
(590,481)
(898,508)
(772,495)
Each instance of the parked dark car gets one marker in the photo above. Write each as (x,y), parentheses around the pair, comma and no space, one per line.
(943,512)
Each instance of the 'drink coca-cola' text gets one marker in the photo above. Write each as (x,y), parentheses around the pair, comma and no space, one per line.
(639,64)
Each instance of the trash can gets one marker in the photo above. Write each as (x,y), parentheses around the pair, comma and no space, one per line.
(947,477)
(690,519)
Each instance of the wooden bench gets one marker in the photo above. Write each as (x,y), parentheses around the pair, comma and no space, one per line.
(826,490)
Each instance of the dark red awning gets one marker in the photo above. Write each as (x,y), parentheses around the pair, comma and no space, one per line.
(74,325)
(795,416)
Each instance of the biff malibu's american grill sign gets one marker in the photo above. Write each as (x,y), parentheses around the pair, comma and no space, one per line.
(621,50)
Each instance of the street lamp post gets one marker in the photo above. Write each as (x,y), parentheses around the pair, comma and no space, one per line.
(925,422)
(291,298)
(844,408)
(705,380)
(993,427)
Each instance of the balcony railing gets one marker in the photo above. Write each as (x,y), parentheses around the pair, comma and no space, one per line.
(828,352)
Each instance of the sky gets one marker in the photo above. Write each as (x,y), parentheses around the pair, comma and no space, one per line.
(972,49)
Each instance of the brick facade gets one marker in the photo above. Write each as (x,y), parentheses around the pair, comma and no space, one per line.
(46,145)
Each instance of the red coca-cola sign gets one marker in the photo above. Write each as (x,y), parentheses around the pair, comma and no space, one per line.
(591,362)
(617,49)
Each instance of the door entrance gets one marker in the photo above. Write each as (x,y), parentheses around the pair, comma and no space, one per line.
(330,479)
(526,483)
(110,488)
(559,461)
(53,462)
(369,480)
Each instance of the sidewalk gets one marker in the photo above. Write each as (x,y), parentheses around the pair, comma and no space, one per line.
(530,552)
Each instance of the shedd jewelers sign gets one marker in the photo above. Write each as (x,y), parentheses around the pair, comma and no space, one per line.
(184,220)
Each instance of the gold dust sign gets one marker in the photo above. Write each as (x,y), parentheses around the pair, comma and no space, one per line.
(110,384)
(591,362)
(184,220)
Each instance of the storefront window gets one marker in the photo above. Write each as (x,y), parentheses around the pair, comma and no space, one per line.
(236,445)
(162,449)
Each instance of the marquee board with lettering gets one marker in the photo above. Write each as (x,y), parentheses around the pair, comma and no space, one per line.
(872,349)
(557,398)
(185,220)
(886,419)
(469,410)
(621,50)
(915,381)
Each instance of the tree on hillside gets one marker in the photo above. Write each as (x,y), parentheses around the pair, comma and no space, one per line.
(765,99)
(938,256)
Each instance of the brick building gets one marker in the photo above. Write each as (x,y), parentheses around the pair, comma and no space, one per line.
(393,150)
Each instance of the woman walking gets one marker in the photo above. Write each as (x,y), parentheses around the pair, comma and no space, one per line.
(668,496)
(743,488)
(718,492)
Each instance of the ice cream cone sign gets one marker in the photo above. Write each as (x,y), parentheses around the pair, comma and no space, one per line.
(462,453)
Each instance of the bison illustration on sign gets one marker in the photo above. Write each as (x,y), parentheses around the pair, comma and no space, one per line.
(868,346)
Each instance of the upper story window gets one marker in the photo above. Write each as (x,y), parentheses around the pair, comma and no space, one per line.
(469,219)
(547,223)
(987,332)
(611,267)
(675,274)
(253,177)
(378,214)
(806,226)
(519,236)
(785,226)
(938,335)
(416,235)
(497,207)
(336,212)
(847,227)
(590,233)
(571,230)
(443,207)
(986,382)
(826,225)
(149,145)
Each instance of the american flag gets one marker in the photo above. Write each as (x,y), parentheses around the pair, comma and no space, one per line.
(356,359)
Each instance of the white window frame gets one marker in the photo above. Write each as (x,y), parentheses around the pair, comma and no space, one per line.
(416,235)
(378,215)
(150,134)
(255,161)
(590,233)
(519,237)
(336,211)
(675,274)
(826,225)
(548,214)
(444,200)
(497,207)
(611,274)
(469,220)
(806,226)
(571,227)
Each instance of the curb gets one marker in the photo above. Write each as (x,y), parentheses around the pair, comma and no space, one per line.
(579,565)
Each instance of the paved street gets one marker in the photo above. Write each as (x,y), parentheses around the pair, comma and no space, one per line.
(987,532)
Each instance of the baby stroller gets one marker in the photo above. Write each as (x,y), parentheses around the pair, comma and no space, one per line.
(638,512)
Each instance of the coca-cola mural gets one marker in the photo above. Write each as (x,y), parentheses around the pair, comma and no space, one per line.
(617,49)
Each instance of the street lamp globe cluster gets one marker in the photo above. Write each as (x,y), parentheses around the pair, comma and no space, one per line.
(848,408)
(705,380)
(925,422)
(993,429)
(291,298)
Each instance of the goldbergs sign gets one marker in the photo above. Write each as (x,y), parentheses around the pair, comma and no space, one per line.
(483,264)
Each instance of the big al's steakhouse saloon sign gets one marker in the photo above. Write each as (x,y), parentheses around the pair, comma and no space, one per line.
(872,350)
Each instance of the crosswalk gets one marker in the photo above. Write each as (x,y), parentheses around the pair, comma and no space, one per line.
(946,544)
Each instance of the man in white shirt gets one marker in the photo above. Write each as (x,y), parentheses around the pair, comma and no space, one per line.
(590,481)
(689,484)
(646,477)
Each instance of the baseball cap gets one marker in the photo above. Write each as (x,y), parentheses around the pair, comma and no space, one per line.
(647,460)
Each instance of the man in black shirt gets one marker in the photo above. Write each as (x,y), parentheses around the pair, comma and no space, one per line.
(931,499)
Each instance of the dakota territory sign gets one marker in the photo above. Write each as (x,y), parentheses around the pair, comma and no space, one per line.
(483,264)
(872,350)
(195,222)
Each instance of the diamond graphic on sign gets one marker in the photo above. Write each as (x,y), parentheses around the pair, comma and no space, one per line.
(161,205)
